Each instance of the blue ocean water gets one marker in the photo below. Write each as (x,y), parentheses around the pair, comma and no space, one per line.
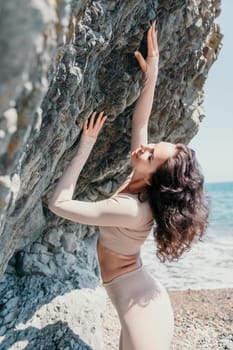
(209,264)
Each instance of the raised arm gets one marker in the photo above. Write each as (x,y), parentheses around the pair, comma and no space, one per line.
(144,103)
(66,185)
(113,211)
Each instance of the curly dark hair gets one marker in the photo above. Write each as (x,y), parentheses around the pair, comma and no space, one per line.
(179,204)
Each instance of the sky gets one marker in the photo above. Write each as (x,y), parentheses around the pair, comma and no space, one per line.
(214,142)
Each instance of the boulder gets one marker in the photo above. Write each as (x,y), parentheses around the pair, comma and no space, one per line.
(61,60)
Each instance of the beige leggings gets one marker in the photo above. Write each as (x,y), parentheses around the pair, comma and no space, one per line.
(144,310)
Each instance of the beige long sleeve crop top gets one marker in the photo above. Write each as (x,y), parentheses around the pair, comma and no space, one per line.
(124,222)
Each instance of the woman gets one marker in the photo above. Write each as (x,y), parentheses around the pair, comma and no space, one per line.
(165,185)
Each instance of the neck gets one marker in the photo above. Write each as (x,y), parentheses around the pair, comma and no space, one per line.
(137,182)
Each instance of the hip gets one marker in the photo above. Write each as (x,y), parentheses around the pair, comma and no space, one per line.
(144,310)
(137,287)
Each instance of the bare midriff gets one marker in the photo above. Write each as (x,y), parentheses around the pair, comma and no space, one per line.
(113,264)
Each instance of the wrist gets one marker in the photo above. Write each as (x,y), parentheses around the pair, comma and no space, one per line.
(152,61)
(88,138)
(152,66)
(87,141)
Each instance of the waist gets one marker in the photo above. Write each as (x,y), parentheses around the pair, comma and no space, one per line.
(113,265)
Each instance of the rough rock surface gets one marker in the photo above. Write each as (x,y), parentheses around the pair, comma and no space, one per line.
(47,313)
(60,61)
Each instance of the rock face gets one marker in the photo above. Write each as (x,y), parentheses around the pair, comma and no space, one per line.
(60,61)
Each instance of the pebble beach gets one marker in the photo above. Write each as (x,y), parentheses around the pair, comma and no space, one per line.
(203,320)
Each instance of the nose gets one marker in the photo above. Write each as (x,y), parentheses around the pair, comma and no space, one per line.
(143,147)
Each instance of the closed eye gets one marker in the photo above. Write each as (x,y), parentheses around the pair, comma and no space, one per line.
(150,157)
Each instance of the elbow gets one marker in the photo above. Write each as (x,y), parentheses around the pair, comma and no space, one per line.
(55,206)
(52,206)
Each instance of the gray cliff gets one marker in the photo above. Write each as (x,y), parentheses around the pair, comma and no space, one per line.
(60,60)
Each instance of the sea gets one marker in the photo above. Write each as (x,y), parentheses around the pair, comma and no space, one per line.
(209,264)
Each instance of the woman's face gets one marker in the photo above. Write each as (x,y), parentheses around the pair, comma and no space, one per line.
(147,158)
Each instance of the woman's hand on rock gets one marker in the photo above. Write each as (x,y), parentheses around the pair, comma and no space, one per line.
(152,48)
(93,125)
